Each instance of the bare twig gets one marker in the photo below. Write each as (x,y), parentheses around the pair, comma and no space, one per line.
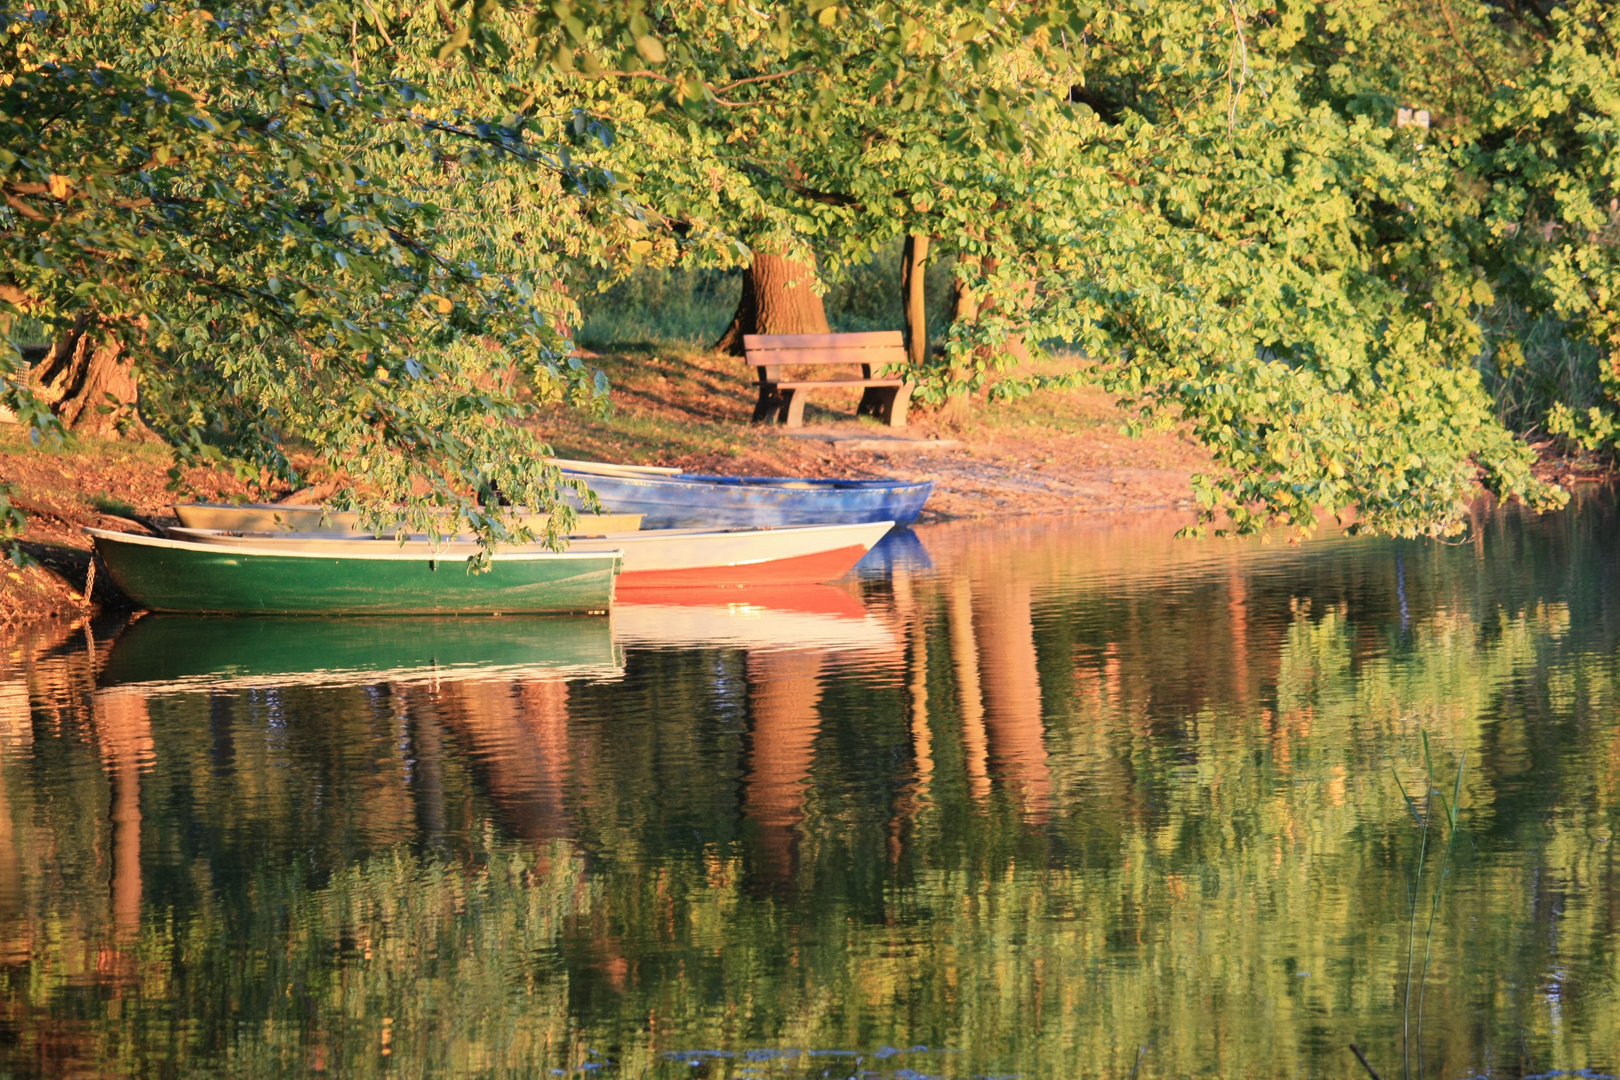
(1451,27)
(1242,51)
(381,25)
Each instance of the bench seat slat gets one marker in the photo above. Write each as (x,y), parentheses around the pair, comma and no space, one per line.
(783,399)
(798,384)
(864,340)
(784,357)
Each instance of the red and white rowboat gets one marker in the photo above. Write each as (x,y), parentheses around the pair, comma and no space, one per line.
(656,559)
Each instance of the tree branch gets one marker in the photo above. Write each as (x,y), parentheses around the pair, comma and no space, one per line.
(24,209)
(1451,26)
(714,91)
(631,75)
(829,198)
(718,90)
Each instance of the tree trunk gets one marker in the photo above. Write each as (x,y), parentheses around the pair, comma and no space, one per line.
(964,309)
(10,294)
(743,320)
(913,271)
(964,305)
(776,299)
(88,380)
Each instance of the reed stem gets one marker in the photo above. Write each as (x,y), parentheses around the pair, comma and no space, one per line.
(1450,810)
(1411,930)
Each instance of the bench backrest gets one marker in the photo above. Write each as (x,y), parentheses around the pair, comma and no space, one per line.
(870,350)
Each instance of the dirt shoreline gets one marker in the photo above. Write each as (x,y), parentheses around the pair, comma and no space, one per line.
(1053,454)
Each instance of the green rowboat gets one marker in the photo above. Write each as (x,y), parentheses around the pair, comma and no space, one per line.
(174,575)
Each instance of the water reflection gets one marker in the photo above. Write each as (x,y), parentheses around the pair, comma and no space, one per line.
(16,738)
(124,739)
(517,733)
(183,652)
(1021,800)
(784,694)
(759,620)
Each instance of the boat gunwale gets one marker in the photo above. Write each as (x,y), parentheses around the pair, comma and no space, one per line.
(605,468)
(306,507)
(770,483)
(359,555)
(582,518)
(640,537)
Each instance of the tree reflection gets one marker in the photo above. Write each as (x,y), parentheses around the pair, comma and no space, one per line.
(966,665)
(16,735)
(784,690)
(517,733)
(1012,689)
(124,735)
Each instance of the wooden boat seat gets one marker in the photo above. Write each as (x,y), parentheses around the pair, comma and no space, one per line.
(782,399)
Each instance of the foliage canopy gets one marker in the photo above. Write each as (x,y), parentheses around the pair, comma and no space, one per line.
(351,225)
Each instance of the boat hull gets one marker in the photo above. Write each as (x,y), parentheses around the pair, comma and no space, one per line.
(798,570)
(695,501)
(170,575)
(275,517)
(670,558)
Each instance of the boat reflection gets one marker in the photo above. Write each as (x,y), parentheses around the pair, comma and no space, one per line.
(757,619)
(901,549)
(180,653)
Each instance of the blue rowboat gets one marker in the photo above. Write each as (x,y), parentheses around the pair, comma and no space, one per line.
(668,499)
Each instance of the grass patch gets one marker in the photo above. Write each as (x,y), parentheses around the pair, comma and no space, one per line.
(1548,367)
(690,308)
(107,504)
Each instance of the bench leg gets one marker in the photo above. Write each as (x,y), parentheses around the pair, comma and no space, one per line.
(769,404)
(793,406)
(887,403)
(898,404)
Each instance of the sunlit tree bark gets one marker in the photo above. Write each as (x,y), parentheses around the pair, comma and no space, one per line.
(777,298)
(913,271)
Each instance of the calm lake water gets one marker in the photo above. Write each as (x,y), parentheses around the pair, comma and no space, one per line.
(1049,798)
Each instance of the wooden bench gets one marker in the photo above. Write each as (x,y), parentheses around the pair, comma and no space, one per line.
(783,399)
